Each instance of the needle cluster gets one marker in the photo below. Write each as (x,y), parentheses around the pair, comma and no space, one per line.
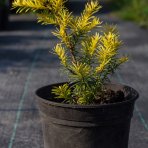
(87,49)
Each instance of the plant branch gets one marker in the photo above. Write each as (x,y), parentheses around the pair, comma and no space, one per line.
(72,53)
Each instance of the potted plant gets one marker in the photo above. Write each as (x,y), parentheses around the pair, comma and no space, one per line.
(88,111)
(4,11)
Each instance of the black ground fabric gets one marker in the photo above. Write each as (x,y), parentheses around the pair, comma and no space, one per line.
(26,64)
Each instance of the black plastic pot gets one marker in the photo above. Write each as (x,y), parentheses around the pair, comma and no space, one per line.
(86,126)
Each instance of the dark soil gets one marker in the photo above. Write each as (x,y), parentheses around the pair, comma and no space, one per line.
(110,96)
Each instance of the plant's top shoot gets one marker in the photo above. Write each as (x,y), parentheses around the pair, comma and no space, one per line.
(87,49)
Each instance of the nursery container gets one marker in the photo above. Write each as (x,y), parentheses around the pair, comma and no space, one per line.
(86,126)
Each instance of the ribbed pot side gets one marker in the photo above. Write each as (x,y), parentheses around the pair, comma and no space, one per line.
(86,126)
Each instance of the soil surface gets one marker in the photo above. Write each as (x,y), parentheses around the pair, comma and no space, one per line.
(110,96)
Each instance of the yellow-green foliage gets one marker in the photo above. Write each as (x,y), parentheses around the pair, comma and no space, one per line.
(87,56)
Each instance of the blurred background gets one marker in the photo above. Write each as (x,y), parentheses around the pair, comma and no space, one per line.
(132,10)
(26,64)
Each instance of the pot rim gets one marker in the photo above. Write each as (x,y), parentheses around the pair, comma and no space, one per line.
(53,103)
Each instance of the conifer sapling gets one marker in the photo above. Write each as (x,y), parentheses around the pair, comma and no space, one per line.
(88,50)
